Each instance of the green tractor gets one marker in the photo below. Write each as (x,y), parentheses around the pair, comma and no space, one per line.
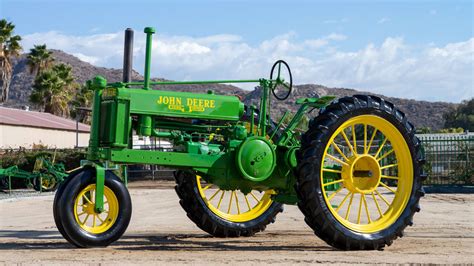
(355,174)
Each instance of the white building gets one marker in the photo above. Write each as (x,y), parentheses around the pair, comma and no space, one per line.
(20,128)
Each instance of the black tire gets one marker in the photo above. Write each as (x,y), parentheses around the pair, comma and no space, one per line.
(37,184)
(4,182)
(197,210)
(204,218)
(308,186)
(64,206)
(57,198)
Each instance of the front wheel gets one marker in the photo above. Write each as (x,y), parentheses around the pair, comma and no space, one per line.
(359,173)
(75,214)
(45,183)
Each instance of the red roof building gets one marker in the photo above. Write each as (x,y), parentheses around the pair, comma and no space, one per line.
(21,128)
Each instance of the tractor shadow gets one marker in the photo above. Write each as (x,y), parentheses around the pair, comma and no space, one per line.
(203,242)
(32,239)
(51,240)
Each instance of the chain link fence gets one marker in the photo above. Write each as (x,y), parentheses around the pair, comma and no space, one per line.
(449,159)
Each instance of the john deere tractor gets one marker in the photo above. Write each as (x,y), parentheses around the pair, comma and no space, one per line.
(355,174)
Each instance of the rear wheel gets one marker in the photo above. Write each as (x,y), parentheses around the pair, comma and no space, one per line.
(225,213)
(367,148)
(75,211)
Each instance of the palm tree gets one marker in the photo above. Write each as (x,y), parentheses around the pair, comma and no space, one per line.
(61,99)
(39,59)
(9,47)
(52,90)
(64,72)
(82,98)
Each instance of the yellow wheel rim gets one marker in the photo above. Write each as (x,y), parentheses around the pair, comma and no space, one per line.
(48,183)
(84,210)
(375,174)
(234,206)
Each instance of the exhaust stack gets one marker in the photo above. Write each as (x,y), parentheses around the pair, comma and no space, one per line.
(128,56)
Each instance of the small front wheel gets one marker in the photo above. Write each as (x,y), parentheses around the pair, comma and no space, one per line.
(45,183)
(81,224)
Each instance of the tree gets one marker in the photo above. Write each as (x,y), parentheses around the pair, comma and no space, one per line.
(53,88)
(451,130)
(424,130)
(39,59)
(65,73)
(462,116)
(9,47)
(82,98)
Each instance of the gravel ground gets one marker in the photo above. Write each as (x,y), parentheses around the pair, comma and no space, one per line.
(160,233)
(22,193)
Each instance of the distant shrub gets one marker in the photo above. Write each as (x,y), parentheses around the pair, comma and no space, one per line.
(25,159)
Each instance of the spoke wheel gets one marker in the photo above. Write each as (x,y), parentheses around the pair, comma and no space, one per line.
(224,213)
(234,205)
(359,173)
(47,183)
(86,216)
(75,215)
(376,173)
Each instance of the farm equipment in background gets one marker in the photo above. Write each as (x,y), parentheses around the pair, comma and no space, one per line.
(355,174)
(46,175)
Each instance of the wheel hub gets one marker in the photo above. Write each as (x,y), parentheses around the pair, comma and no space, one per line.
(362,174)
(89,208)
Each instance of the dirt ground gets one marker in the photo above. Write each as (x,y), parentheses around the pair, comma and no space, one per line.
(160,233)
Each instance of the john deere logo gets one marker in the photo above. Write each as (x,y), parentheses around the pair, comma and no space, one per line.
(191,104)
(260,156)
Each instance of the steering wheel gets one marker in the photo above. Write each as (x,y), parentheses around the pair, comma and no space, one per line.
(281,89)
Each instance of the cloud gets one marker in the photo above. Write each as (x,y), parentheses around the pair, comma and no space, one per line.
(89,59)
(324,41)
(335,21)
(383,20)
(95,29)
(336,37)
(394,67)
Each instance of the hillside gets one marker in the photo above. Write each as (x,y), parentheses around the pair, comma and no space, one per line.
(20,87)
(421,113)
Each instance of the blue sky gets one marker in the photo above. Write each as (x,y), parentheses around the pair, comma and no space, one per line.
(413,49)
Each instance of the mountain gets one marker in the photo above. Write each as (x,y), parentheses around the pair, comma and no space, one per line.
(20,87)
(421,113)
